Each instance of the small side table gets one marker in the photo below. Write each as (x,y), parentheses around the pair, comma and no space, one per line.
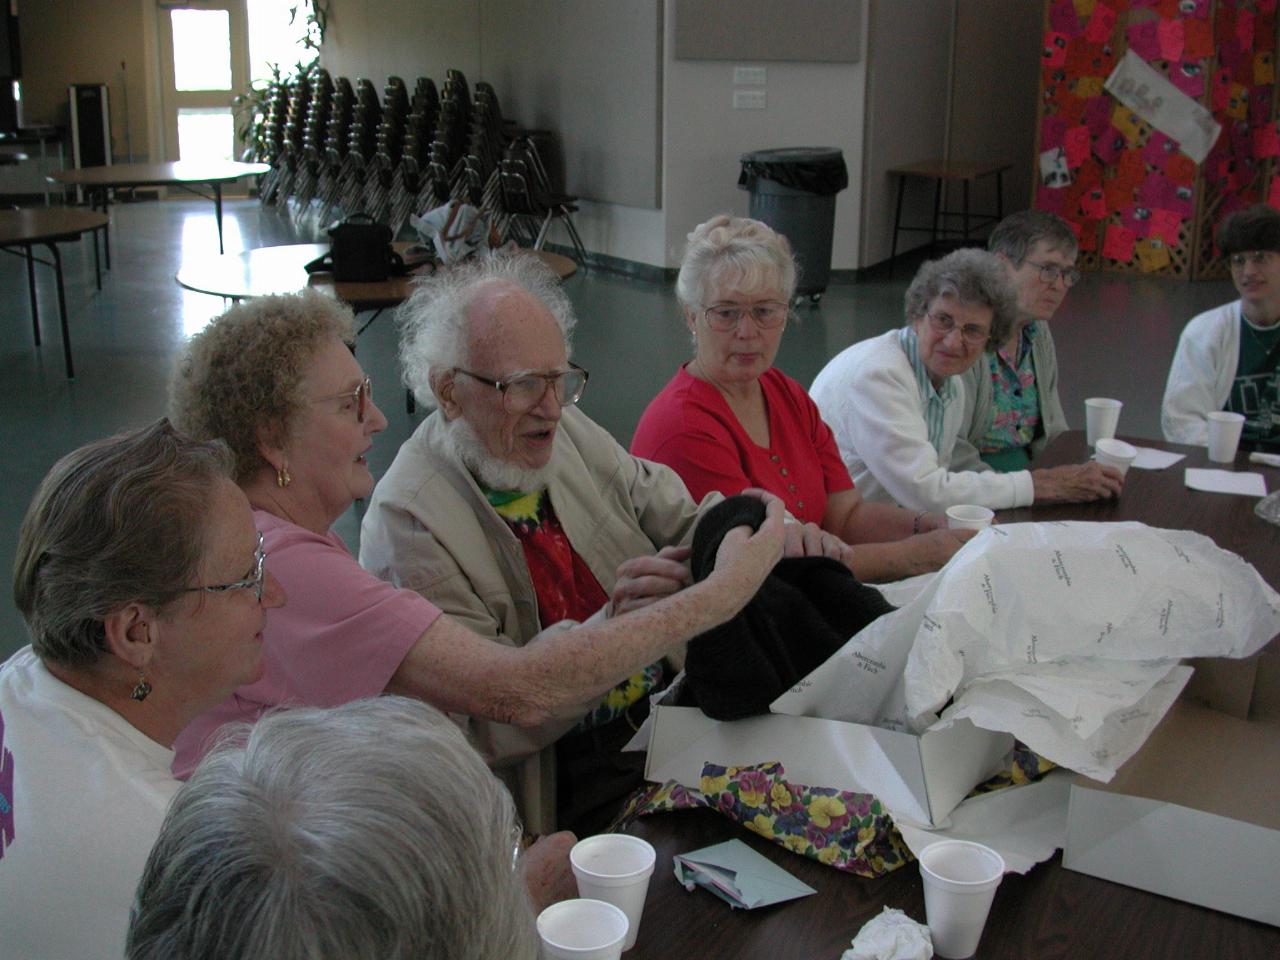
(938,171)
(49,226)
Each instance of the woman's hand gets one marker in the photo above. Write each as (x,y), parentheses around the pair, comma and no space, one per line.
(548,875)
(642,580)
(810,540)
(1076,483)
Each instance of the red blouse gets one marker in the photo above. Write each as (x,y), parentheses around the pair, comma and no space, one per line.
(690,428)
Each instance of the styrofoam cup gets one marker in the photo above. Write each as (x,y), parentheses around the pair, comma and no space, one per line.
(1224,435)
(960,880)
(968,516)
(1116,453)
(615,867)
(1101,417)
(582,930)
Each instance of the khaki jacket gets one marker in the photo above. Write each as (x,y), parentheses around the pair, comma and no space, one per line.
(429,528)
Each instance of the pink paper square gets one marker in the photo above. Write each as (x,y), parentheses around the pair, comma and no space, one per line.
(1118,244)
(1273,194)
(1076,143)
(1055,49)
(1169,35)
(1244,29)
(1144,39)
(1049,198)
(1136,220)
(1188,76)
(1164,224)
(1097,114)
(1063,18)
(1266,141)
(1158,149)
(1093,204)
(1051,130)
(1100,24)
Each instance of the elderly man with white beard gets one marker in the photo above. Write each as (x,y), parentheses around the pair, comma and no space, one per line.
(521,518)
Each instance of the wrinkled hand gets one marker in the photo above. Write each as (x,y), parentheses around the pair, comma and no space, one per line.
(1076,483)
(547,874)
(810,540)
(933,521)
(744,558)
(642,580)
(931,551)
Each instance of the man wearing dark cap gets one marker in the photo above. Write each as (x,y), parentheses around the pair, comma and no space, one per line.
(1229,358)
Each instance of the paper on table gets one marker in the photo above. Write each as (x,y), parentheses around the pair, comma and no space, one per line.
(738,875)
(1024,824)
(1226,481)
(1066,635)
(1151,459)
(1269,459)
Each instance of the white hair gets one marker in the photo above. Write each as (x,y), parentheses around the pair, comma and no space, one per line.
(433,321)
(463,443)
(752,253)
(370,830)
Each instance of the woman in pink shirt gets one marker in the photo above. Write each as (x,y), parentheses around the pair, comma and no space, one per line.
(729,419)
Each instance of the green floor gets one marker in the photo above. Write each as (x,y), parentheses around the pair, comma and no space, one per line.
(1115,336)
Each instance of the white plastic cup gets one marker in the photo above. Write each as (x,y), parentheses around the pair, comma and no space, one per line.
(1116,453)
(960,880)
(968,516)
(1224,435)
(582,930)
(1101,417)
(615,868)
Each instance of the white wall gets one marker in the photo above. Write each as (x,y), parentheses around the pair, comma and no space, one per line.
(377,39)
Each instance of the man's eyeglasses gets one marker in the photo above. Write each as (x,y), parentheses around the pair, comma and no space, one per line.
(253,583)
(766,315)
(521,392)
(362,396)
(971,333)
(1256,257)
(1049,272)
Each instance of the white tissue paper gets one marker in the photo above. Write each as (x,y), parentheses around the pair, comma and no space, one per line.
(1067,635)
(891,936)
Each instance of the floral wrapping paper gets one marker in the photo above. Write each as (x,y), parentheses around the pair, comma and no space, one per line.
(849,831)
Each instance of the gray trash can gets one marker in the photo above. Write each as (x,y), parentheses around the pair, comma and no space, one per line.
(793,190)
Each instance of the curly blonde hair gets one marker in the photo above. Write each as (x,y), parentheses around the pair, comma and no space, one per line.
(239,377)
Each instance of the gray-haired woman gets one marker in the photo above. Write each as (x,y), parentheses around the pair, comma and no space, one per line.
(371,830)
(140,574)
(895,402)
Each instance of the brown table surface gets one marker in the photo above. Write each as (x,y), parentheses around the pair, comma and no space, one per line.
(271,270)
(42,224)
(157,174)
(1050,912)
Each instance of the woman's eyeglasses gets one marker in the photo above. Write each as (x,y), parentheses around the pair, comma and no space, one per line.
(766,315)
(521,392)
(362,396)
(253,583)
(971,333)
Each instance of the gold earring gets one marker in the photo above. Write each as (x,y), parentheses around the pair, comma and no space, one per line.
(282,476)
(142,690)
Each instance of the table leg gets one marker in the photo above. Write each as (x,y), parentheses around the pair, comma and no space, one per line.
(62,310)
(897,221)
(31,285)
(217,210)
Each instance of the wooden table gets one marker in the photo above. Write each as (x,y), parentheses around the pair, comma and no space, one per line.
(940,171)
(185,174)
(20,230)
(1050,912)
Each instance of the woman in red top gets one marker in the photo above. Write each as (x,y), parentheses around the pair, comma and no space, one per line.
(729,420)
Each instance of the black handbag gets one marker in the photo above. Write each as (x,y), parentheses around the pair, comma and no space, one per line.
(359,251)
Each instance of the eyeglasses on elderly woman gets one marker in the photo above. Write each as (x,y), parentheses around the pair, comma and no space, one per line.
(254,582)
(361,396)
(523,391)
(971,333)
(766,315)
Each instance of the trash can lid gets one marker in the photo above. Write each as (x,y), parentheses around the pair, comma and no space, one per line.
(793,155)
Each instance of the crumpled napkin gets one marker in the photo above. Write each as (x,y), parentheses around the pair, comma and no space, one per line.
(891,936)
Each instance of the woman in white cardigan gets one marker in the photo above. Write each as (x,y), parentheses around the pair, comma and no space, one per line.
(896,402)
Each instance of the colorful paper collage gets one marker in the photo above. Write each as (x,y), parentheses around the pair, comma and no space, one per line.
(1127,190)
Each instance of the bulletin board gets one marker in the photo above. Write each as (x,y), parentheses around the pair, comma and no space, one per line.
(1136,200)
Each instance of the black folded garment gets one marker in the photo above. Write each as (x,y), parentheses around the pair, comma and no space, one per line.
(805,611)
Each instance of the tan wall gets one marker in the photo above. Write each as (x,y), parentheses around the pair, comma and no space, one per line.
(84,41)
